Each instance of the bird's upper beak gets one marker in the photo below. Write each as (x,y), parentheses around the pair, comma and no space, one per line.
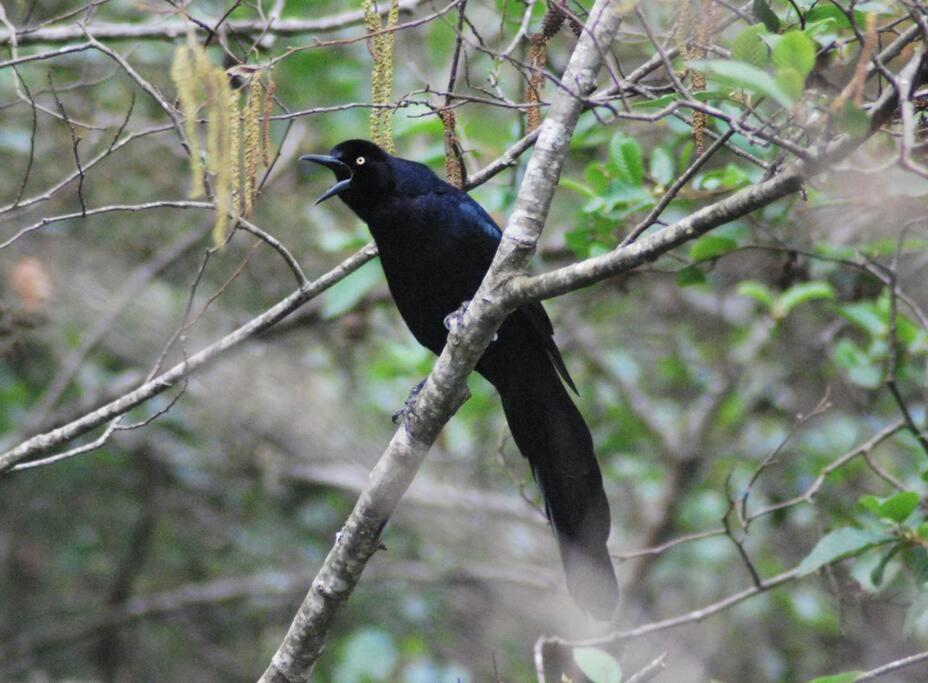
(339,167)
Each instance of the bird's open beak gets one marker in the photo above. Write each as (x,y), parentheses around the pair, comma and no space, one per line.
(340,169)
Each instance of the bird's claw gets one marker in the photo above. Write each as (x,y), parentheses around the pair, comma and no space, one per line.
(409,405)
(454,319)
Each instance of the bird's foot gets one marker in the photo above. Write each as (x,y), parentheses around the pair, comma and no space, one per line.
(409,405)
(454,319)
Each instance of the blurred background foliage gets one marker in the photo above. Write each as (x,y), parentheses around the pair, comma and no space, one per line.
(180,550)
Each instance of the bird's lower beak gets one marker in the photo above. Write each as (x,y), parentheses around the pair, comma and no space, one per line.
(339,167)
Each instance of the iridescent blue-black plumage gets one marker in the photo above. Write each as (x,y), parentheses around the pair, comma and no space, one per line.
(436,244)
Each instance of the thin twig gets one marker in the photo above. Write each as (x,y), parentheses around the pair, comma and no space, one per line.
(178,28)
(43,443)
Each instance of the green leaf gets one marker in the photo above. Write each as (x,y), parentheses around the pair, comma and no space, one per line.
(748,46)
(846,677)
(796,51)
(625,158)
(919,343)
(729,177)
(662,166)
(577,187)
(346,294)
(691,275)
(876,576)
(825,10)
(743,75)
(866,316)
(800,294)
(857,364)
(791,81)
(870,504)
(711,246)
(686,153)
(757,291)
(916,561)
(823,31)
(841,544)
(899,506)
(596,177)
(597,665)
(762,12)
(581,241)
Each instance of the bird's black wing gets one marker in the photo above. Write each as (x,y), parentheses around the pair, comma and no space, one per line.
(538,318)
(533,314)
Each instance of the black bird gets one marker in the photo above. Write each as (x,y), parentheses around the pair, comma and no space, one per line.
(436,244)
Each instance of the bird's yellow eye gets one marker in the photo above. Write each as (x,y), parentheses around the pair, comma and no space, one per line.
(360,161)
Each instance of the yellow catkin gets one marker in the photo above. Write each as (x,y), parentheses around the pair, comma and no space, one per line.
(536,81)
(371,19)
(703,31)
(207,74)
(202,84)
(453,171)
(235,141)
(381,48)
(185,80)
(373,25)
(389,40)
(251,145)
(203,65)
(695,28)
(223,162)
(266,123)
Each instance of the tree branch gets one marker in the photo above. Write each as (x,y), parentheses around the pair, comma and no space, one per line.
(175,28)
(501,291)
(622,259)
(444,389)
(892,666)
(43,443)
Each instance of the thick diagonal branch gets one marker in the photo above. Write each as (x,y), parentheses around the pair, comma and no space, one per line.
(503,288)
(444,389)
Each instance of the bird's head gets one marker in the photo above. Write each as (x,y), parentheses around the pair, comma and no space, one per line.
(361,168)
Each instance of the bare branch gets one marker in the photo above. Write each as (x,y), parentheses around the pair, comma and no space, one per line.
(132,208)
(126,295)
(650,671)
(524,288)
(177,28)
(43,443)
(892,666)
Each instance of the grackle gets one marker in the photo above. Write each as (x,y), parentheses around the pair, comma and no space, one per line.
(436,244)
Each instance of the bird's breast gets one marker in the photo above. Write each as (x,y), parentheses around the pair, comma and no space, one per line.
(426,276)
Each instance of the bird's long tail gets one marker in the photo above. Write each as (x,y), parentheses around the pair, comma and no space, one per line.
(551,433)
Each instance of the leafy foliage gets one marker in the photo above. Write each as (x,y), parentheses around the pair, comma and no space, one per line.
(597,665)
(692,369)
